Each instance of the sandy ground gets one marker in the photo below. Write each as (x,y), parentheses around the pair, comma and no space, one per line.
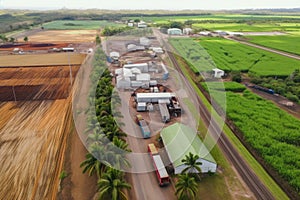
(64,36)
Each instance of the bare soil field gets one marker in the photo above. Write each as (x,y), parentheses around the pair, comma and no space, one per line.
(35,128)
(38,83)
(32,46)
(62,36)
(41,59)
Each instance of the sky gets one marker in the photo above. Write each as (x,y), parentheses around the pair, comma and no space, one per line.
(148,4)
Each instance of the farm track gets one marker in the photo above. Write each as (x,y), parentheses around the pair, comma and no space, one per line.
(255,185)
(289,55)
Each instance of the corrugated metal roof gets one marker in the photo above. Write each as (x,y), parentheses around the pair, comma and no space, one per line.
(179,140)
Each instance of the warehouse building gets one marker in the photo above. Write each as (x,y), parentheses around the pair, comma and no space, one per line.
(179,141)
(174,31)
(153,97)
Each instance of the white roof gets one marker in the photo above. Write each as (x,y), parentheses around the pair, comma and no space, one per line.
(155,95)
(114,54)
(119,71)
(160,166)
(127,72)
(122,78)
(135,65)
(142,104)
(217,70)
(135,70)
(143,77)
(174,29)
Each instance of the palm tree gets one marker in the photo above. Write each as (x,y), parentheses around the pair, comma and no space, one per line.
(92,165)
(186,187)
(111,185)
(193,166)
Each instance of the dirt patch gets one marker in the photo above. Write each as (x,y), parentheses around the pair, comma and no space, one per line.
(32,46)
(63,36)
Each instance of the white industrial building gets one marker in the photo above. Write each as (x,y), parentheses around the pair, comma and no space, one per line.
(134,47)
(180,140)
(174,31)
(145,41)
(218,73)
(187,31)
(153,97)
(142,25)
(141,66)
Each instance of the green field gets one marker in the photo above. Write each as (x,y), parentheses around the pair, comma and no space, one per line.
(208,53)
(276,138)
(78,24)
(218,17)
(244,27)
(289,43)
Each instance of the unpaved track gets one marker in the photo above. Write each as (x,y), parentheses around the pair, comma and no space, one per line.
(267,49)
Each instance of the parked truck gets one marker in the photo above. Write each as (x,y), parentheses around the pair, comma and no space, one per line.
(143,126)
(160,170)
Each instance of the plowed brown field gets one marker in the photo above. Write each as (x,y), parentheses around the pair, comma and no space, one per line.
(34,129)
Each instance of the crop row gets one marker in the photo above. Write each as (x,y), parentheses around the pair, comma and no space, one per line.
(274,134)
(209,53)
(289,43)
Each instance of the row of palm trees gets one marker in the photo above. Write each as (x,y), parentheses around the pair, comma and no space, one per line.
(106,145)
(186,186)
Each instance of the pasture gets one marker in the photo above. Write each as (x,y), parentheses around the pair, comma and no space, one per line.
(79,24)
(288,43)
(207,53)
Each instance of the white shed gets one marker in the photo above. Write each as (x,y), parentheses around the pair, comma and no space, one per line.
(180,140)
(218,73)
(143,77)
(123,82)
(174,31)
(141,66)
(187,31)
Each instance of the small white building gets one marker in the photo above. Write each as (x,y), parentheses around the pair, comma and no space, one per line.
(123,82)
(218,73)
(142,25)
(157,49)
(187,31)
(134,47)
(205,33)
(114,55)
(130,24)
(221,33)
(174,31)
(144,77)
(234,33)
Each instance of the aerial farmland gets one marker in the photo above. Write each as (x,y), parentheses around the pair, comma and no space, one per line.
(149,104)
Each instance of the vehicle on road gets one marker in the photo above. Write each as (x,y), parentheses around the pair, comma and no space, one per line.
(144,127)
(160,170)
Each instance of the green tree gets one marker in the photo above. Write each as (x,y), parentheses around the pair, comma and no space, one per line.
(193,166)
(92,166)
(98,40)
(186,187)
(25,39)
(12,40)
(112,184)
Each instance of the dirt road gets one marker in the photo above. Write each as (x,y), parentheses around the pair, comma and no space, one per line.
(267,49)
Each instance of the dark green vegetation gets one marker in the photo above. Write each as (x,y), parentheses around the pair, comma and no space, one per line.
(104,138)
(288,87)
(224,86)
(274,134)
(208,53)
(109,31)
(289,43)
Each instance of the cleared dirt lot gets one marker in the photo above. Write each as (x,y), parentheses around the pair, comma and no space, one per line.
(64,36)
(41,59)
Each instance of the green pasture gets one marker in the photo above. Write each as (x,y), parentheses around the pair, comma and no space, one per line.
(78,24)
(289,43)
